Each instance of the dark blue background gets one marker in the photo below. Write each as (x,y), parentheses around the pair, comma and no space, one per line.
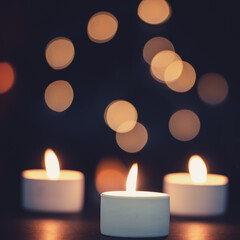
(204,33)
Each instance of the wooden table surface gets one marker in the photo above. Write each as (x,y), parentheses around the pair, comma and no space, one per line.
(30,226)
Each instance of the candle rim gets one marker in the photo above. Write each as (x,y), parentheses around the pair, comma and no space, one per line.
(76,175)
(224,180)
(111,194)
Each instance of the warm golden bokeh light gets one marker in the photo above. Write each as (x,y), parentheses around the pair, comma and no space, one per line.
(102,27)
(154,11)
(59,53)
(161,61)
(184,125)
(212,88)
(134,140)
(59,95)
(51,164)
(154,46)
(110,175)
(185,81)
(121,116)
(197,169)
(132,179)
(7,77)
(173,71)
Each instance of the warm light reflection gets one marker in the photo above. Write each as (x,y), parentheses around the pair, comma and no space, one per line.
(48,229)
(59,95)
(201,230)
(134,140)
(121,116)
(185,81)
(102,27)
(161,61)
(7,77)
(154,11)
(184,125)
(197,169)
(154,46)
(52,164)
(212,88)
(132,179)
(110,175)
(59,53)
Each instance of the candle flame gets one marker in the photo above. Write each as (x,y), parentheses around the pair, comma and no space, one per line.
(132,178)
(197,169)
(51,164)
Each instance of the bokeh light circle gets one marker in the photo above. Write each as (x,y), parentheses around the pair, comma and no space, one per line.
(154,11)
(121,116)
(59,95)
(102,27)
(161,61)
(154,46)
(59,53)
(184,125)
(212,88)
(134,140)
(7,77)
(185,81)
(110,175)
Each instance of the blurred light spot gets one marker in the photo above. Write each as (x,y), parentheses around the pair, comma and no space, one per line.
(60,53)
(155,78)
(59,95)
(184,125)
(110,175)
(154,46)
(161,61)
(212,88)
(7,77)
(134,140)
(121,116)
(173,71)
(154,11)
(185,81)
(102,27)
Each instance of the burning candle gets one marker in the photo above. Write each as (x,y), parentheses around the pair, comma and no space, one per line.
(197,193)
(52,190)
(134,213)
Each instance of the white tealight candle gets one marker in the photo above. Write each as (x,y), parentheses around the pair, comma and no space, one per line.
(134,213)
(52,190)
(197,193)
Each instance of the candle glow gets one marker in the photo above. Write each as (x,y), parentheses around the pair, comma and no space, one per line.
(132,179)
(134,213)
(197,169)
(196,193)
(49,190)
(52,164)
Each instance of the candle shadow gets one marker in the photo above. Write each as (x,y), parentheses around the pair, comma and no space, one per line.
(103,237)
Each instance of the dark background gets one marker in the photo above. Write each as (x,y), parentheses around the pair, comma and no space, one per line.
(204,33)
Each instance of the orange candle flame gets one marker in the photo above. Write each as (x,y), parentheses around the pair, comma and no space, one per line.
(52,164)
(197,169)
(132,179)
